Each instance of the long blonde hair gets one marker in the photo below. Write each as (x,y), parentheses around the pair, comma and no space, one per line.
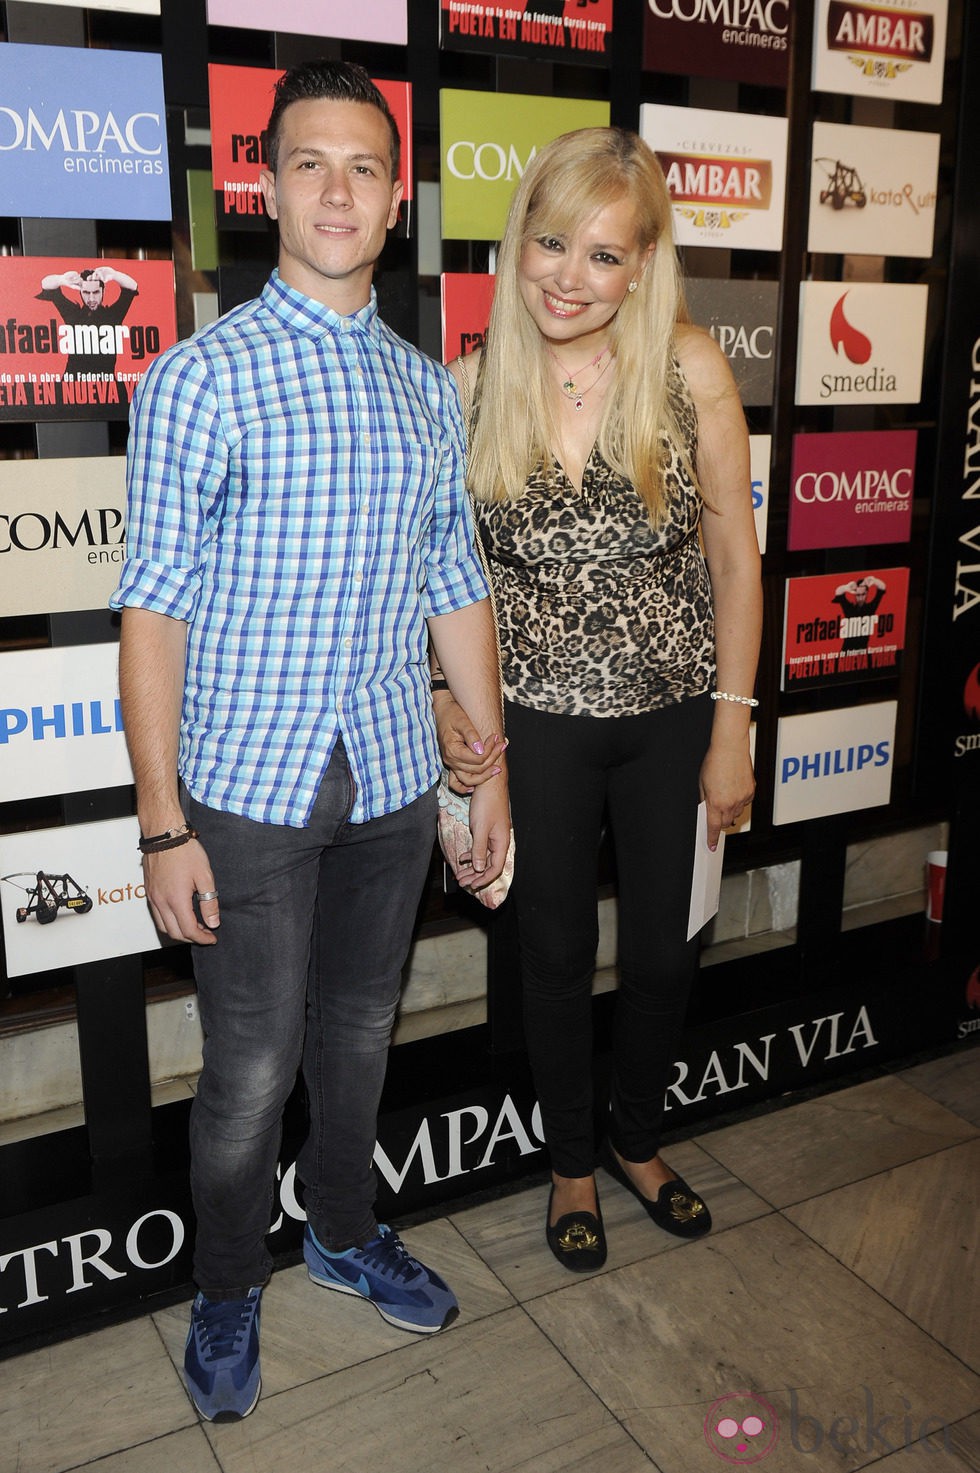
(568,181)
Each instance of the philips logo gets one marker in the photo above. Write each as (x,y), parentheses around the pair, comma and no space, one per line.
(77,719)
(835,762)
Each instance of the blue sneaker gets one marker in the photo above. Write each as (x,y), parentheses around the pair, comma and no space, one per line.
(402,1290)
(221,1358)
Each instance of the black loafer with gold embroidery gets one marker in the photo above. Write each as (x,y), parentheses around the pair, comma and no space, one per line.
(677,1208)
(578,1239)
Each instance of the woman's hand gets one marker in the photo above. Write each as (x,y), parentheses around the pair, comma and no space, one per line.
(727,785)
(470,758)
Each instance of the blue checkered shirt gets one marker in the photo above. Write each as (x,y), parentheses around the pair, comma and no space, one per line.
(296,496)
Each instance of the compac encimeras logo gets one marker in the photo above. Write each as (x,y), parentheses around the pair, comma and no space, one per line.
(92,142)
(767,18)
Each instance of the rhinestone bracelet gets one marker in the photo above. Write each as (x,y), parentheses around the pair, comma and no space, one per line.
(724,695)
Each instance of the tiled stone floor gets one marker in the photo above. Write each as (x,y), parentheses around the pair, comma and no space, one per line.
(836,1299)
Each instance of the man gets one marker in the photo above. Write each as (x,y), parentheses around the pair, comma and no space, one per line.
(297,529)
(91,311)
(858,601)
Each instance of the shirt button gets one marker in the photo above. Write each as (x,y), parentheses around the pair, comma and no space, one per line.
(348,643)
(358,577)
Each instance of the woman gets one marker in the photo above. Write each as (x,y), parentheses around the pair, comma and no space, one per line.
(609,465)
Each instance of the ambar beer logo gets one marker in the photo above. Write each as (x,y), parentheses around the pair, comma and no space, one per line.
(716,191)
(880,41)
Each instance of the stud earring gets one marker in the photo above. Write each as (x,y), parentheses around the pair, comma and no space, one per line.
(632,286)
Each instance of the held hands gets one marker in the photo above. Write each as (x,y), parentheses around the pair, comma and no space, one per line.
(727,785)
(172,878)
(471,760)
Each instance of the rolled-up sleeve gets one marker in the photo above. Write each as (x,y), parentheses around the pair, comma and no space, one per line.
(176,473)
(454,574)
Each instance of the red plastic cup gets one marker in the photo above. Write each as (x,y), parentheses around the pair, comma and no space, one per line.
(935,883)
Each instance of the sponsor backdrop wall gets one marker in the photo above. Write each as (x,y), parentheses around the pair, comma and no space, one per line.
(827,217)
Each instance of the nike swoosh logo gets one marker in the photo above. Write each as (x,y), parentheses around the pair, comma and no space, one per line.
(360,1285)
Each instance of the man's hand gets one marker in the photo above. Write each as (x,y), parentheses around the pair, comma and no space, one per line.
(472,760)
(172,878)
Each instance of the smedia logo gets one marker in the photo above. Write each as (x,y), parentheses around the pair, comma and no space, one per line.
(970,741)
(856,346)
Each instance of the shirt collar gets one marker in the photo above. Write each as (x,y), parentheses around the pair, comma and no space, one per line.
(304,315)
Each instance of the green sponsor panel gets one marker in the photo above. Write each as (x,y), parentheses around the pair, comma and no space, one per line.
(204,234)
(488,140)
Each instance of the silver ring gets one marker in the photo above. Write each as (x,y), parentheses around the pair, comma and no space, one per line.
(207,894)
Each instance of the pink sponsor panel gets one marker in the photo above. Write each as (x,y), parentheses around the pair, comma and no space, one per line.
(851,489)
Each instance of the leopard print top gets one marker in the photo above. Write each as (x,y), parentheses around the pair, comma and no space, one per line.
(601,614)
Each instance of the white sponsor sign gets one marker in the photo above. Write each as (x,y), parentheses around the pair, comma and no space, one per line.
(60,721)
(135,7)
(62,533)
(895,49)
(726,173)
(872,191)
(860,343)
(760,452)
(72,895)
(834,761)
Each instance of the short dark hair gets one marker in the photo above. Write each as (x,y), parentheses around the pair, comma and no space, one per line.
(89,275)
(332,81)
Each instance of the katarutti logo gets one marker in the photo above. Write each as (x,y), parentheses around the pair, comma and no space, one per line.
(48,895)
(844,185)
(856,345)
(741,1428)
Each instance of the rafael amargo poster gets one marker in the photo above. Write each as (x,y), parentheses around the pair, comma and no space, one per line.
(546,30)
(466,301)
(79,333)
(241,101)
(844,626)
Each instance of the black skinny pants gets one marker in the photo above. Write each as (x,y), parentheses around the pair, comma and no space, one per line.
(565,771)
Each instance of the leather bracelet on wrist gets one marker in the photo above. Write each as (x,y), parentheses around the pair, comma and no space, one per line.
(439,684)
(170,839)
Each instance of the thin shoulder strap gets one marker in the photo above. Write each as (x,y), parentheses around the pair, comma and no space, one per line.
(478,540)
(464,375)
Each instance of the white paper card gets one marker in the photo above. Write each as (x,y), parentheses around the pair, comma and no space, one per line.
(706,882)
